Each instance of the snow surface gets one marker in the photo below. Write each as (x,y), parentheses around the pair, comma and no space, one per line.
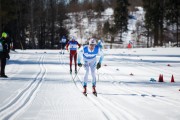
(40,87)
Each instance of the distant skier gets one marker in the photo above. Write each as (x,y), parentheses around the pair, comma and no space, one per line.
(89,54)
(4,53)
(73,46)
(63,44)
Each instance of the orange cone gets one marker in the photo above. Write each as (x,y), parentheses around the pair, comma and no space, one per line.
(172,79)
(161,78)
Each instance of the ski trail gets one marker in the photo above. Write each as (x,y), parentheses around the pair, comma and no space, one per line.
(16,106)
(143,93)
(107,114)
(153,97)
(110,110)
(12,71)
(119,110)
(148,94)
(20,94)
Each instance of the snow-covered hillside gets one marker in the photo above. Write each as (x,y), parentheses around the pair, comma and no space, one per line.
(83,27)
(40,87)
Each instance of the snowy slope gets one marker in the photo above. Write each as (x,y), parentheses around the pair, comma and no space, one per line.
(39,87)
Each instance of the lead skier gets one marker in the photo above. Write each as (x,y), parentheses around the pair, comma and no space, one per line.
(89,54)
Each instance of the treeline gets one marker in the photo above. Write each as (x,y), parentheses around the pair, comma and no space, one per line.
(162,20)
(40,23)
(33,23)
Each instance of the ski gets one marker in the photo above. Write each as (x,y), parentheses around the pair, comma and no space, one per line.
(95,94)
(85,94)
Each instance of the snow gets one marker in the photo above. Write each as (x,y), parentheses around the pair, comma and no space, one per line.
(39,86)
(108,11)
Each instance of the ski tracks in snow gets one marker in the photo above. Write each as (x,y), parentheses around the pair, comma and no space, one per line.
(25,97)
(109,109)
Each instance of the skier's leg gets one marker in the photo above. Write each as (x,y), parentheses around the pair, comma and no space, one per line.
(70,62)
(63,48)
(75,62)
(3,64)
(86,66)
(93,72)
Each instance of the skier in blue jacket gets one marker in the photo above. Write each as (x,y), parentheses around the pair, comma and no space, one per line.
(63,41)
(89,54)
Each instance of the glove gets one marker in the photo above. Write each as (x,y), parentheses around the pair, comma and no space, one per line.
(79,64)
(98,66)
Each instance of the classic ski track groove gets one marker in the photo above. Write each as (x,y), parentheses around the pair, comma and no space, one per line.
(24,97)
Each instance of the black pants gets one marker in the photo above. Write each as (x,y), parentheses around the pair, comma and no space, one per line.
(3,64)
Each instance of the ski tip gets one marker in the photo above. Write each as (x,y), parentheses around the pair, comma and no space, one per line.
(95,94)
(85,94)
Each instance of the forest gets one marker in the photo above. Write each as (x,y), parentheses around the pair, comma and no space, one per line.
(39,24)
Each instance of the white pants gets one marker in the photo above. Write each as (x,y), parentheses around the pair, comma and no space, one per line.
(92,66)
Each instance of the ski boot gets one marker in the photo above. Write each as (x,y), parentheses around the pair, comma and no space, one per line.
(75,71)
(94,91)
(70,71)
(4,76)
(85,91)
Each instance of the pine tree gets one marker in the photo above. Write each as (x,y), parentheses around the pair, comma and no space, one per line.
(99,7)
(154,19)
(121,16)
(173,15)
(106,27)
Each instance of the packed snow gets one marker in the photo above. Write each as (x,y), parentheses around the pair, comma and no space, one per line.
(40,87)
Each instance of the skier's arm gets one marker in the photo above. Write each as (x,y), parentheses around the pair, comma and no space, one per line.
(80,54)
(67,45)
(79,45)
(101,55)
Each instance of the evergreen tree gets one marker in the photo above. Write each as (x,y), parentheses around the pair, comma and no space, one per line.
(106,27)
(173,15)
(121,16)
(99,7)
(154,19)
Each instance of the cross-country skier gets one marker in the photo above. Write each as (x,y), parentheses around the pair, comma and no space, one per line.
(63,44)
(73,46)
(89,54)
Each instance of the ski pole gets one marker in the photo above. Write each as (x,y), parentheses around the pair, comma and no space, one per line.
(76,73)
(98,75)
